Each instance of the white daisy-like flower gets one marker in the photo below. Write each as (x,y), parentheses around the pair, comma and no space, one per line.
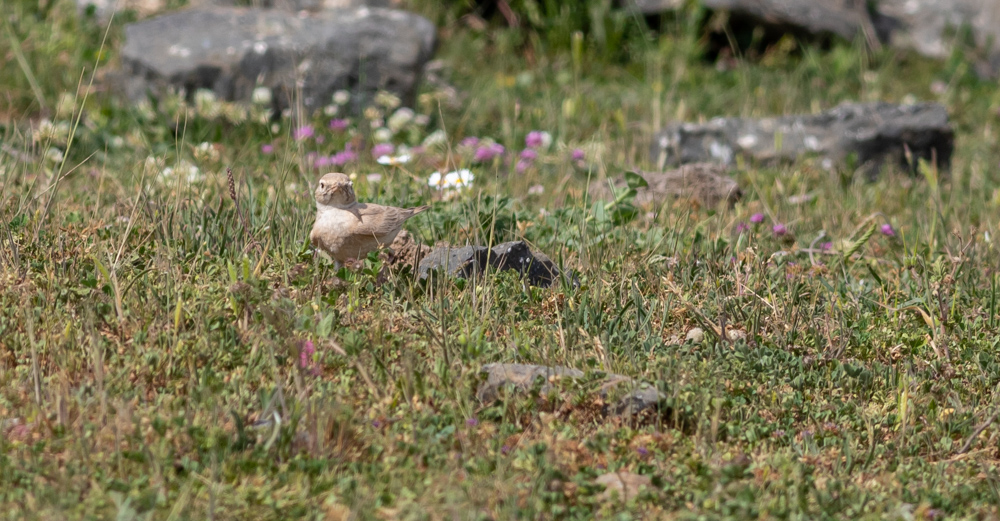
(401,159)
(455,180)
(206,152)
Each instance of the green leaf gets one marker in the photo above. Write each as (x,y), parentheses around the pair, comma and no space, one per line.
(635,180)
(325,326)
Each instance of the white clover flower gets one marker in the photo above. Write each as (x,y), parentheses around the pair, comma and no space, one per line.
(341,97)
(261,96)
(190,172)
(51,132)
(54,155)
(455,180)
(331,110)
(382,135)
(387,99)
(116,142)
(66,105)
(144,109)
(401,159)
(421,120)
(275,128)
(206,103)
(436,138)
(152,166)
(400,119)
(206,152)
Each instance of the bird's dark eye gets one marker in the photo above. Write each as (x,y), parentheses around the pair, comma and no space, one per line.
(322,184)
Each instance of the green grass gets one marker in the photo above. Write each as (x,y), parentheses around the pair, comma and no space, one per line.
(149,320)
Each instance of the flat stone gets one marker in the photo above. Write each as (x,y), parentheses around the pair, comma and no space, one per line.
(706,183)
(305,56)
(873,132)
(625,396)
(468,261)
(624,485)
(844,18)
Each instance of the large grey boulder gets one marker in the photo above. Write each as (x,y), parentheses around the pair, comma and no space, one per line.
(305,56)
(930,27)
(871,132)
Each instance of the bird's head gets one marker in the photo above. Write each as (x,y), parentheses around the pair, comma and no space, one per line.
(335,189)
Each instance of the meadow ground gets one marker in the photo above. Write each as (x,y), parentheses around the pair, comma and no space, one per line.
(156,317)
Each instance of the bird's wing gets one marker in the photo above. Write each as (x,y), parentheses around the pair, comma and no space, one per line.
(377,220)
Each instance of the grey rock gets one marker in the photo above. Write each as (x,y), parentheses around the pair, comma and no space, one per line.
(873,132)
(706,183)
(929,27)
(468,261)
(624,396)
(307,57)
(844,18)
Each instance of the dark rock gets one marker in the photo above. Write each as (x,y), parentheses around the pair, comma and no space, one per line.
(873,132)
(234,50)
(706,183)
(468,261)
(624,396)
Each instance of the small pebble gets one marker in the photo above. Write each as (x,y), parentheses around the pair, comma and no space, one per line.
(696,335)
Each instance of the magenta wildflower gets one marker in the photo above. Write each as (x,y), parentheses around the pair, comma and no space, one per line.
(487,153)
(382,149)
(322,161)
(303,132)
(523,165)
(305,354)
(888,231)
(779,229)
(470,142)
(338,124)
(757,218)
(826,246)
(341,158)
(472,422)
(643,451)
(578,154)
(742,227)
(267,148)
(529,154)
(537,139)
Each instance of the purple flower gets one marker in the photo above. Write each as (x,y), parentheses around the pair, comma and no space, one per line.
(825,246)
(888,231)
(487,153)
(472,422)
(742,227)
(780,433)
(470,142)
(779,229)
(382,149)
(338,124)
(306,351)
(303,132)
(376,423)
(757,218)
(341,158)
(522,165)
(578,154)
(529,154)
(322,161)
(537,139)
(504,450)
(267,149)
(643,451)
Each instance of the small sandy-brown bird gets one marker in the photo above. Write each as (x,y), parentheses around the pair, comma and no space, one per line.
(348,230)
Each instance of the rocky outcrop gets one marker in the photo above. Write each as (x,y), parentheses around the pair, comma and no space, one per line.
(706,183)
(232,51)
(872,133)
